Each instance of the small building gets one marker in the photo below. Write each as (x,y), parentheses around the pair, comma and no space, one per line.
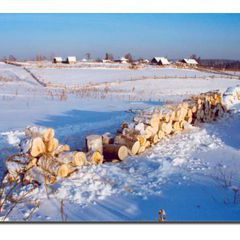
(122,60)
(57,60)
(189,61)
(106,61)
(160,61)
(146,61)
(71,60)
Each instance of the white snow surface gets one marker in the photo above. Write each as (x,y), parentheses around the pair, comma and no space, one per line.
(192,176)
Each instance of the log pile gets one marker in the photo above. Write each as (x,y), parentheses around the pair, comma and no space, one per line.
(42,154)
(43,158)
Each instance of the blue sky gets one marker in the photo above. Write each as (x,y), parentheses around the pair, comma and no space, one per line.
(143,35)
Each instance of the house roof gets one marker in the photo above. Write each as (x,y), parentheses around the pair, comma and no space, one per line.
(163,60)
(58,58)
(190,61)
(123,59)
(72,58)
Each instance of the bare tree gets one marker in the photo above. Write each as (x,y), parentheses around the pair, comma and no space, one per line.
(109,56)
(12,58)
(194,56)
(129,57)
(40,57)
(88,56)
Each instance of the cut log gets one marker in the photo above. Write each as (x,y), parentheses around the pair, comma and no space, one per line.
(75,159)
(155,129)
(48,134)
(168,128)
(80,159)
(107,138)
(162,126)
(147,144)
(184,124)
(53,167)
(61,149)
(161,134)
(51,145)
(148,132)
(94,158)
(94,143)
(38,147)
(154,139)
(133,146)
(166,117)
(114,151)
(142,149)
(142,140)
(176,126)
(189,119)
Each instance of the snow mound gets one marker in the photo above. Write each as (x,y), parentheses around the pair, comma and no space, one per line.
(231,97)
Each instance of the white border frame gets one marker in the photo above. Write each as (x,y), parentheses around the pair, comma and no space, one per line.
(116,6)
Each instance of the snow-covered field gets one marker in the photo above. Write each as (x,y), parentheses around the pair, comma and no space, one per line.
(193,176)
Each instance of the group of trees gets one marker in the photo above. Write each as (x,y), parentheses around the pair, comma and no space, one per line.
(218,63)
(221,64)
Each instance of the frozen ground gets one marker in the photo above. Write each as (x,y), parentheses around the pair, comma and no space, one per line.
(77,77)
(192,176)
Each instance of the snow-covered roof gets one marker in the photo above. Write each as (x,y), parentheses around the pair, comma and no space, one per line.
(106,60)
(161,60)
(58,59)
(124,59)
(84,60)
(190,61)
(71,59)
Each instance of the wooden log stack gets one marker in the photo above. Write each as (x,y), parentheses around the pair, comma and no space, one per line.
(43,154)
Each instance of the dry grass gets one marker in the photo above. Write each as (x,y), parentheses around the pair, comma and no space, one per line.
(5,79)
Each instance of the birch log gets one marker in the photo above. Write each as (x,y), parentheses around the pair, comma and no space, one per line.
(94,158)
(53,167)
(133,146)
(75,159)
(94,143)
(114,151)
(38,147)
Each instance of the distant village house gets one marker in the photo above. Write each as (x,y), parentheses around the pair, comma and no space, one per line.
(71,60)
(160,61)
(57,60)
(145,61)
(106,61)
(189,61)
(122,60)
